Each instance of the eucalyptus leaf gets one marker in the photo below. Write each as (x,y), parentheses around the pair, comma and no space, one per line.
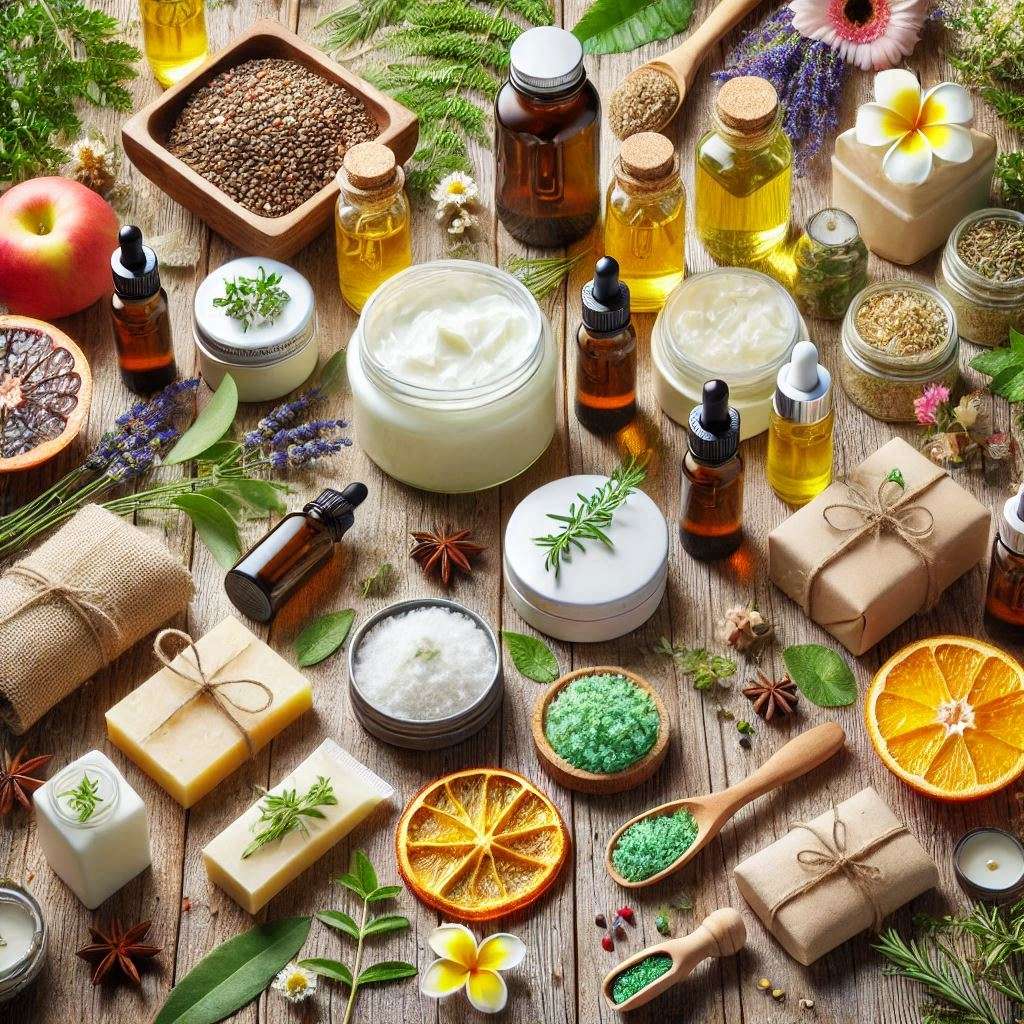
(258,494)
(210,425)
(383,892)
(234,974)
(617,26)
(333,969)
(532,657)
(364,871)
(340,920)
(215,527)
(821,675)
(322,637)
(387,970)
(386,923)
(333,375)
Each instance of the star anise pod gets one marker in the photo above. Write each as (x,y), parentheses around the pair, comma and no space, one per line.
(772,697)
(18,779)
(443,550)
(119,948)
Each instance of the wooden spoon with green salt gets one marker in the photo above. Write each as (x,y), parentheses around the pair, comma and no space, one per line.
(660,841)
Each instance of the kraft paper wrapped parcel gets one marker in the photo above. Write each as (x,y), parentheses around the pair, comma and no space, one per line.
(869,552)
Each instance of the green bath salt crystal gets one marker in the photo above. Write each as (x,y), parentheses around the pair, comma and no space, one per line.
(636,978)
(602,723)
(652,844)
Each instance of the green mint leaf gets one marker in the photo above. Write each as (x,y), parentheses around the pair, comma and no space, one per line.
(995,360)
(383,892)
(333,969)
(363,870)
(532,657)
(389,970)
(322,637)
(213,523)
(386,923)
(821,675)
(617,26)
(341,921)
(209,426)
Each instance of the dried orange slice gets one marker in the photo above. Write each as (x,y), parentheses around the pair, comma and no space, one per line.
(480,843)
(947,716)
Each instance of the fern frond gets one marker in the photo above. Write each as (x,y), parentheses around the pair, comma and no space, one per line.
(461,17)
(456,46)
(468,116)
(536,12)
(359,20)
(441,75)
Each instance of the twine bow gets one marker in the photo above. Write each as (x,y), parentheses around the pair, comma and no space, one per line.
(207,686)
(834,858)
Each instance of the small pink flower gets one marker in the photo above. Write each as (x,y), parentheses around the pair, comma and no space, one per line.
(926,407)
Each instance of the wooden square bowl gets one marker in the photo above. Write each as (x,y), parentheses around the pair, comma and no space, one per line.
(144,137)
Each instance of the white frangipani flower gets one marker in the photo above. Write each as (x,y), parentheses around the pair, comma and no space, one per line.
(464,964)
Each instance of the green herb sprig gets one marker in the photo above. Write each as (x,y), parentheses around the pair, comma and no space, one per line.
(84,798)
(252,301)
(705,668)
(379,582)
(1010,179)
(1005,365)
(589,519)
(284,813)
(544,274)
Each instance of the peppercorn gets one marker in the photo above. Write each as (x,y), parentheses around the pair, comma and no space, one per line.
(601,921)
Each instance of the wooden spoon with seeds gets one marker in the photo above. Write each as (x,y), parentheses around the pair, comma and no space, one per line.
(799,756)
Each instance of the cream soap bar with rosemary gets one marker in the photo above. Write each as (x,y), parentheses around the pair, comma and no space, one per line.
(188,735)
(293,825)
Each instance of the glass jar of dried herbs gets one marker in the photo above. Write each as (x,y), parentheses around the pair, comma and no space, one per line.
(898,336)
(982,274)
(831,263)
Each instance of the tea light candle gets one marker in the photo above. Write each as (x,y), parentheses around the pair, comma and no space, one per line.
(22,940)
(990,863)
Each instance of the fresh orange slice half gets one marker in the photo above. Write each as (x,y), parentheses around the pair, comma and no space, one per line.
(947,716)
(480,843)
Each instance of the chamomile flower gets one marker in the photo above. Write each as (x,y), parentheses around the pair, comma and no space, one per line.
(454,191)
(465,965)
(462,222)
(295,983)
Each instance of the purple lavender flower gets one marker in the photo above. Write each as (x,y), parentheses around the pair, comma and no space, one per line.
(132,463)
(305,454)
(306,432)
(281,417)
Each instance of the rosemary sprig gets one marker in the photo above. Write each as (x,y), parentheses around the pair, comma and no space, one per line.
(592,516)
(84,798)
(542,276)
(253,300)
(283,813)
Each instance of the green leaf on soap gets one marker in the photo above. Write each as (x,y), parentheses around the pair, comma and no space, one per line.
(333,375)
(821,675)
(235,973)
(213,523)
(386,923)
(322,637)
(210,425)
(340,920)
(333,969)
(388,970)
(531,656)
(617,26)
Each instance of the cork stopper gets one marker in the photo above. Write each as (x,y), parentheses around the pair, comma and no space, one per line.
(370,166)
(647,156)
(747,104)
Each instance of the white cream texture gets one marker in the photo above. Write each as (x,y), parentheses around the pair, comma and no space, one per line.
(732,322)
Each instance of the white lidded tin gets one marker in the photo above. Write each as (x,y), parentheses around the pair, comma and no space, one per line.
(266,360)
(424,734)
(599,593)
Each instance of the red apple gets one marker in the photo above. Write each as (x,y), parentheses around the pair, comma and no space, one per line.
(56,237)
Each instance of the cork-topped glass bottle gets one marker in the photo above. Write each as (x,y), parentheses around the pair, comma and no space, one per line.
(645,219)
(548,118)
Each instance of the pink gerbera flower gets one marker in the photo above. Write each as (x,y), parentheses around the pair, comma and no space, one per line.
(926,407)
(868,33)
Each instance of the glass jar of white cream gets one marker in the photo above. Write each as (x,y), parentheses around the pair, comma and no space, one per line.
(452,368)
(732,324)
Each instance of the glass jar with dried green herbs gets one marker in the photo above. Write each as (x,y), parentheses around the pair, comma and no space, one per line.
(831,263)
(897,337)
(982,275)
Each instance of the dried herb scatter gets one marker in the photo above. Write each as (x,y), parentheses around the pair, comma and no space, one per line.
(902,322)
(652,844)
(270,133)
(636,978)
(994,248)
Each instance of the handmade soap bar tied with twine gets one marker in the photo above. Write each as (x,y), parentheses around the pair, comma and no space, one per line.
(879,546)
(831,878)
(212,706)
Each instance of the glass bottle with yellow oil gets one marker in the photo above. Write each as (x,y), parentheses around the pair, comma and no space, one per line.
(744,175)
(174,37)
(371,220)
(645,219)
(799,463)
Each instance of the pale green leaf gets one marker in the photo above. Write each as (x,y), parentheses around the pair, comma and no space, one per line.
(210,425)
(322,637)
(215,527)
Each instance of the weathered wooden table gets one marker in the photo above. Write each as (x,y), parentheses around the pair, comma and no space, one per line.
(560,981)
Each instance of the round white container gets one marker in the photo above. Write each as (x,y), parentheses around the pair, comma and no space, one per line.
(601,593)
(267,360)
(680,372)
(452,440)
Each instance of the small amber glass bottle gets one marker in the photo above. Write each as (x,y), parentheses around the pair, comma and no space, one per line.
(645,219)
(548,141)
(285,558)
(174,37)
(711,496)
(744,175)
(605,353)
(372,233)
(1004,601)
(142,327)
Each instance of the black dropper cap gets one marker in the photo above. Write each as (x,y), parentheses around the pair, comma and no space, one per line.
(135,266)
(606,299)
(714,425)
(335,508)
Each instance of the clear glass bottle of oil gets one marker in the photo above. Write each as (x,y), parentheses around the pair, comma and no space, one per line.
(799,462)
(174,36)
(744,175)
(372,233)
(645,219)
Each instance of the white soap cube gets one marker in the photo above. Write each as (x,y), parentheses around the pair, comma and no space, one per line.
(92,828)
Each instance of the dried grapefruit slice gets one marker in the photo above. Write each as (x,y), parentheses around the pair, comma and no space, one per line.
(480,843)
(946,715)
(45,385)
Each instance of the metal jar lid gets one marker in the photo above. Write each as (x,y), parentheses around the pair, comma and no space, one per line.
(546,60)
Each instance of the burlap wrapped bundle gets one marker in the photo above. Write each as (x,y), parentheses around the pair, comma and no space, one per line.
(76,603)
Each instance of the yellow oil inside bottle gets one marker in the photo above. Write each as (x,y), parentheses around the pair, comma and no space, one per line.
(174,36)
(799,462)
(371,247)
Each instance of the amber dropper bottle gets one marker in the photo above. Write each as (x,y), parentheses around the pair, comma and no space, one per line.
(1004,601)
(711,498)
(276,566)
(142,327)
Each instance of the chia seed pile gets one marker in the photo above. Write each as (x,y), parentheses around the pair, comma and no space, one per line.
(270,133)
(636,978)
(652,844)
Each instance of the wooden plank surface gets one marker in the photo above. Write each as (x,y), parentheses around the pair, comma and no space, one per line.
(560,981)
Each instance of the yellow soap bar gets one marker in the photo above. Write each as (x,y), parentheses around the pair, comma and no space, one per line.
(187,742)
(255,880)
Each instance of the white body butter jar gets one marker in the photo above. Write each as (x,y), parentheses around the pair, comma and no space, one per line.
(452,368)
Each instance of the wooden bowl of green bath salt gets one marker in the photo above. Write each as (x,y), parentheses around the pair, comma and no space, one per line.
(600,730)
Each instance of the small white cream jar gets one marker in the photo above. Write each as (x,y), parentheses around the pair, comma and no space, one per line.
(266,360)
(730,323)
(452,368)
